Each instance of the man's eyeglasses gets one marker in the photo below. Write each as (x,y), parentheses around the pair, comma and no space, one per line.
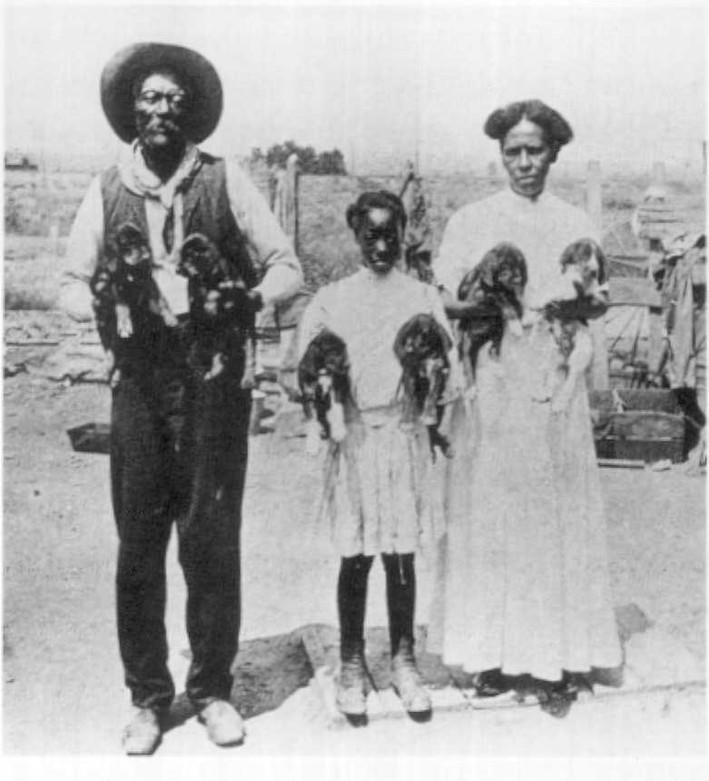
(175,100)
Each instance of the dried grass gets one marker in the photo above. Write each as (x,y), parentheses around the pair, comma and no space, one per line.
(34,202)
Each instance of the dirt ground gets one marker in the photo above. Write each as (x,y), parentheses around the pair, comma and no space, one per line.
(63,690)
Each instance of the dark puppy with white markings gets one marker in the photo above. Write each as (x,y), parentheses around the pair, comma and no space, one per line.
(422,347)
(584,271)
(222,321)
(323,377)
(130,310)
(495,286)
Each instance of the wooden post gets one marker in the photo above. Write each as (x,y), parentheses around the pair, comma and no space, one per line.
(285,205)
(599,379)
(272,186)
(292,188)
(593,193)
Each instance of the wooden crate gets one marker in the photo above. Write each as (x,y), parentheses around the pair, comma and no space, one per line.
(647,450)
(644,425)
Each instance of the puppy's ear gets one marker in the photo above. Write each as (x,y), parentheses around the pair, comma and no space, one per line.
(307,368)
(602,265)
(409,337)
(487,267)
(402,338)
(446,341)
(466,286)
(520,263)
(569,255)
(341,362)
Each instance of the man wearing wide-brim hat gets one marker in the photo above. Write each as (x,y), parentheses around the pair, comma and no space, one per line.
(178,441)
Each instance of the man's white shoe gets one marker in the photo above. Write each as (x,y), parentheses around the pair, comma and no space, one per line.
(143,734)
(225,726)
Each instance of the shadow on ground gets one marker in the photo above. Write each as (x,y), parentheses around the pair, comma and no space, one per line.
(267,671)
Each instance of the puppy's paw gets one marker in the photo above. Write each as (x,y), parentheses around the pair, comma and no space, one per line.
(169,318)
(216,369)
(312,439)
(515,327)
(212,302)
(248,381)
(124,322)
(336,419)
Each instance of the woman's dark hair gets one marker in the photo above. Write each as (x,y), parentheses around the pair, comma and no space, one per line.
(378,199)
(557,130)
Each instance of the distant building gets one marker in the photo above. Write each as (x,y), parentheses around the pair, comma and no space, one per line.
(16,160)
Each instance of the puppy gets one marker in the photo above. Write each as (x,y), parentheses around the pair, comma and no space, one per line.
(127,302)
(496,285)
(422,347)
(584,270)
(323,377)
(222,321)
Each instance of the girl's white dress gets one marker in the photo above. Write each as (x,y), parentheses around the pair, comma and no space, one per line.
(381,493)
(523,579)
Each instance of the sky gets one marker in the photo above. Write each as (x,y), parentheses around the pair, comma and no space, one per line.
(381,83)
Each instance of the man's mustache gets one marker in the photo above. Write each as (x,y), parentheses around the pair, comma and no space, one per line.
(157,124)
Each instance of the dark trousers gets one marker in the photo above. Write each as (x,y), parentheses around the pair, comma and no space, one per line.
(178,453)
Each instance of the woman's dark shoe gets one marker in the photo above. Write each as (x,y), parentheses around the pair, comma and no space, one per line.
(556,698)
(491,683)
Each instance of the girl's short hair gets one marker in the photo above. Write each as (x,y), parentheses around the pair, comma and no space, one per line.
(557,130)
(375,199)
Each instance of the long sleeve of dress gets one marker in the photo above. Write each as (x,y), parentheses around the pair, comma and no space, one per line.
(453,259)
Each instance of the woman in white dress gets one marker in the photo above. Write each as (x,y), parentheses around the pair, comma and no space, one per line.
(379,492)
(524,585)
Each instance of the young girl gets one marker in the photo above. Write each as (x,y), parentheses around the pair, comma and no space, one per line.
(378,478)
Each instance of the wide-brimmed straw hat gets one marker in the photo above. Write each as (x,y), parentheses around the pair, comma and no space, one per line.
(196,74)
